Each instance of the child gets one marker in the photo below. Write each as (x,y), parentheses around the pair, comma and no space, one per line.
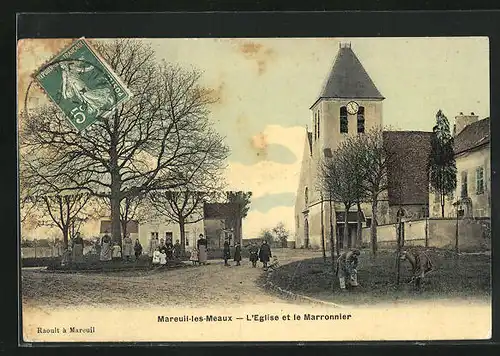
(194,256)
(117,252)
(163,258)
(156,256)
(274,264)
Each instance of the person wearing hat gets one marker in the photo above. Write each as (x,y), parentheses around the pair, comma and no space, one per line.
(226,252)
(347,265)
(237,254)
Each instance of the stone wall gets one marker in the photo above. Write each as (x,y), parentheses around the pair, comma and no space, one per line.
(473,234)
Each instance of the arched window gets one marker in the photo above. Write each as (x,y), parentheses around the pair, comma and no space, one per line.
(343,120)
(361,119)
(315,127)
(306,196)
(319,119)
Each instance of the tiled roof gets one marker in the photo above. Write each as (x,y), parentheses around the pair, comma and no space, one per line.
(349,79)
(219,210)
(472,136)
(407,174)
(352,216)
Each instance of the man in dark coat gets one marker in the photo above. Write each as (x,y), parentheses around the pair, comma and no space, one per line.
(265,253)
(170,249)
(226,253)
(177,250)
(237,254)
(254,254)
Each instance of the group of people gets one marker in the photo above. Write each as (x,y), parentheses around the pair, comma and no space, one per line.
(199,253)
(111,250)
(262,253)
(162,251)
(347,267)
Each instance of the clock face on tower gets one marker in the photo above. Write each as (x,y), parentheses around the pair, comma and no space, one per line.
(352,107)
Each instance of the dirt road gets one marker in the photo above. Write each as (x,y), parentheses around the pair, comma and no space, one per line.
(190,286)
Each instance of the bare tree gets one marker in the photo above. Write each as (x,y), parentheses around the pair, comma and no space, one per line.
(157,140)
(341,176)
(181,207)
(375,160)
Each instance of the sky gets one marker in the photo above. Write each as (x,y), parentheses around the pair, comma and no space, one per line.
(266,87)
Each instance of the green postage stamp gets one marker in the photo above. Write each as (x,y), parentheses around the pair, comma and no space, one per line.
(82,85)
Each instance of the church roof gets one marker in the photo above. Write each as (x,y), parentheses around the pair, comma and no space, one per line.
(349,79)
(408,181)
(473,136)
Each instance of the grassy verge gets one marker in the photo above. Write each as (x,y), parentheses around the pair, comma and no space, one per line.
(465,276)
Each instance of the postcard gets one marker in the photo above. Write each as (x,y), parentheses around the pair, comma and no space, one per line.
(254,189)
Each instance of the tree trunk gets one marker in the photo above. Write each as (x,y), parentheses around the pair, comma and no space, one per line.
(323,232)
(358,227)
(115,208)
(442,205)
(65,233)
(183,236)
(373,228)
(332,245)
(346,226)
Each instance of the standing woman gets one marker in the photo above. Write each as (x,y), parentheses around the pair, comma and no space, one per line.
(137,249)
(264,254)
(202,250)
(105,248)
(127,247)
(153,244)
(237,254)
(226,253)
(77,248)
(254,254)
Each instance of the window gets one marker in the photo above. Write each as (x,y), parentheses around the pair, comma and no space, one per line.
(306,197)
(368,222)
(479,180)
(319,120)
(315,127)
(463,192)
(154,235)
(361,119)
(343,120)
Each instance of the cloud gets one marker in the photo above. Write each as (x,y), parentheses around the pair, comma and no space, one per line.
(269,201)
(268,152)
(256,221)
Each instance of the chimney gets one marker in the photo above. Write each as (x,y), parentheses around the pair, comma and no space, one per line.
(462,121)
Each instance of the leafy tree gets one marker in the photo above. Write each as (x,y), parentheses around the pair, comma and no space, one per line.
(441,165)
(281,234)
(242,201)
(160,139)
(267,235)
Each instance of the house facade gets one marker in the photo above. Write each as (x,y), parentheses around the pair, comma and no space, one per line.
(473,162)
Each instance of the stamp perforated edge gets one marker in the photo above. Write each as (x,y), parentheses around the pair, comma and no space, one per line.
(59,53)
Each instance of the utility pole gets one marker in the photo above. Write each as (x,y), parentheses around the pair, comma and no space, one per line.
(332,242)
(322,230)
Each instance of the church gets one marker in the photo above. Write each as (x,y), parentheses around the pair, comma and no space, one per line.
(350,104)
